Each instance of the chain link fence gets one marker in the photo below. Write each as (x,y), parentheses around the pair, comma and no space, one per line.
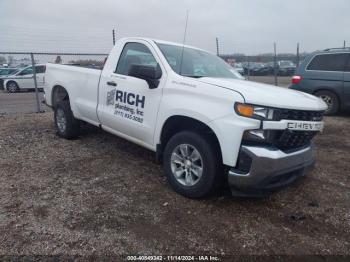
(272,69)
(24,71)
(22,76)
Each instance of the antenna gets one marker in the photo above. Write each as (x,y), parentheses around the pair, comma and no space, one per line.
(184,41)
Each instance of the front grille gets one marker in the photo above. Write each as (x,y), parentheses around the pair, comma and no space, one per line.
(298,115)
(288,139)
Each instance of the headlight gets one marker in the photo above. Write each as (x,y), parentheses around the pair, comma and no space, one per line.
(253,111)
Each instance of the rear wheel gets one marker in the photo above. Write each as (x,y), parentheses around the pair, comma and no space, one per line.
(331,100)
(67,126)
(12,87)
(192,165)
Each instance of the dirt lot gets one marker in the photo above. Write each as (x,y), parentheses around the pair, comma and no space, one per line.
(23,102)
(102,195)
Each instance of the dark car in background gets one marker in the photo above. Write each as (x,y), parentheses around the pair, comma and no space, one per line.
(256,69)
(285,68)
(326,74)
(4,72)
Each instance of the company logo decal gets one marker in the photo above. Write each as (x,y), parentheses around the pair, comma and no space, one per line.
(127,105)
(110,97)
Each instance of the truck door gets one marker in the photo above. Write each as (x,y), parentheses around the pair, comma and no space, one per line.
(126,103)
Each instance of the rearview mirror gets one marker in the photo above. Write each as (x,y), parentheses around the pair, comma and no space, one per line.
(151,74)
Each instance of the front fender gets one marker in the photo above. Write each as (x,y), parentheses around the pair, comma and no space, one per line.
(229,131)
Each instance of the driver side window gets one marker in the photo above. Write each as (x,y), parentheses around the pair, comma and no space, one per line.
(134,54)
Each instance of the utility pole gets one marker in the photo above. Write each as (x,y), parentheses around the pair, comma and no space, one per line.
(298,55)
(38,109)
(217,47)
(113,35)
(344,44)
(275,64)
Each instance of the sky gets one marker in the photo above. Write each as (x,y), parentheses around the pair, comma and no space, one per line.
(242,26)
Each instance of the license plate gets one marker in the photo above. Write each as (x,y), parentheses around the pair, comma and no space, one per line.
(305,126)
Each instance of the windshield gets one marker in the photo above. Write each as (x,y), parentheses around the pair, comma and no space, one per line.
(196,63)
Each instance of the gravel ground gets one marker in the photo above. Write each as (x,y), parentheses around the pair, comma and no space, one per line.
(100,194)
(23,102)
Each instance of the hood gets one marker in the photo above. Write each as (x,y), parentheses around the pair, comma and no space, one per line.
(269,95)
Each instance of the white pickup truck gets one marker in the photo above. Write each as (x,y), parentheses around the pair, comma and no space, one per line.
(207,125)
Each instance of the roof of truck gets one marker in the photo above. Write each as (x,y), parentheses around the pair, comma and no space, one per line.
(163,42)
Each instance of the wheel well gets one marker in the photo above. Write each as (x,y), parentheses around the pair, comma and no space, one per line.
(176,124)
(11,81)
(59,93)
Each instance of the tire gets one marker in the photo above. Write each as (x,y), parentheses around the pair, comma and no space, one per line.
(67,126)
(12,87)
(331,100)
(209,160)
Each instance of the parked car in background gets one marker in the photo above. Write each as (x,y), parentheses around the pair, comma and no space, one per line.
(23,79)
(239,68)
(7,71)
(326,74)
(4,72)
(256,69)
(271,67)
(285,68)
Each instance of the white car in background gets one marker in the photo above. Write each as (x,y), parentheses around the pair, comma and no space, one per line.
(23,79)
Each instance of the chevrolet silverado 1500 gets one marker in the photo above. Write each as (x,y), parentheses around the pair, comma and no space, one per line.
(206,124)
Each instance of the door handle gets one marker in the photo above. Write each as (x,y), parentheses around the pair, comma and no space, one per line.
(111,83)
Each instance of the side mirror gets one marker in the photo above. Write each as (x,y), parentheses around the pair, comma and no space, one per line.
(151,74)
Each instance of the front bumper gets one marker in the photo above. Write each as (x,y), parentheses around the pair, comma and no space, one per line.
(270,169)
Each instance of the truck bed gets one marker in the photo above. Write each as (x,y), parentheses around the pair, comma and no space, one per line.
(97,67)
(81,84)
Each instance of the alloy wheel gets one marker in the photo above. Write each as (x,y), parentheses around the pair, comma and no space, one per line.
(186,164)
(328,100)
(12,87)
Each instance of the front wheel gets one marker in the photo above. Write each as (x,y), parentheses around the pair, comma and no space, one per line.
(67,126)
(331,100)
(192,165)
(12,87)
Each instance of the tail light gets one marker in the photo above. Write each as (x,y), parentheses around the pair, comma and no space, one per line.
(296,79)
